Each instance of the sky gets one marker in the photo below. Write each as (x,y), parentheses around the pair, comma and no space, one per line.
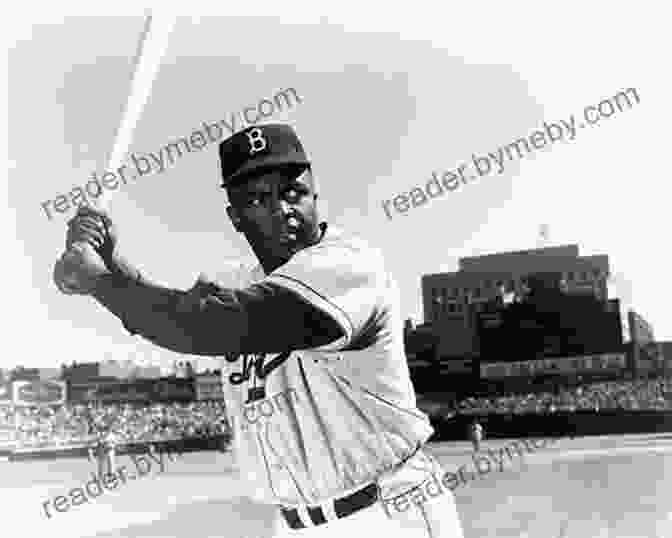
(387,98)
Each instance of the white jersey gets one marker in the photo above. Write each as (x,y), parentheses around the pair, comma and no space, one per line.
(315,424)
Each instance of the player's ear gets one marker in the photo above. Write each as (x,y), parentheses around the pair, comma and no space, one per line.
(233,217)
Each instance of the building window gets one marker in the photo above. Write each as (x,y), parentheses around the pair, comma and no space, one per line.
(596,273)
(477,292)
(570,276)
(584,276)
(451,307)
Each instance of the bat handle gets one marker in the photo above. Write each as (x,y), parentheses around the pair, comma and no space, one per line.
(67,266)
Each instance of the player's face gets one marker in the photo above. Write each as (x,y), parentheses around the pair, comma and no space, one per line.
(276,211)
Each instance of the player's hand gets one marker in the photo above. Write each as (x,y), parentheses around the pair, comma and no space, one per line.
(78,270)
(95,228)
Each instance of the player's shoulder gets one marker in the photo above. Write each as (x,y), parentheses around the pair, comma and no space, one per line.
(339,256)
(345,246)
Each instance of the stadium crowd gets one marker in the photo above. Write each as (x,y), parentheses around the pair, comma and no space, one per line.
(76,424)
(80,424)
(645,394)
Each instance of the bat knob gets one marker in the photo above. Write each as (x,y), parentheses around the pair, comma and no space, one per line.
(67,270)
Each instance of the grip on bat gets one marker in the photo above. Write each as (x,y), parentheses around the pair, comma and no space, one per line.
(66,269)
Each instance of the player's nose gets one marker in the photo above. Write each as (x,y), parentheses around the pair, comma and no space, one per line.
(281,207)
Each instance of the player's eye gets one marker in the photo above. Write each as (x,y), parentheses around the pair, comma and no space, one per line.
(294,194)
(254,201)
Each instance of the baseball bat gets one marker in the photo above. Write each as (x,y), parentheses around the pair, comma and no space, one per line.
(152,46)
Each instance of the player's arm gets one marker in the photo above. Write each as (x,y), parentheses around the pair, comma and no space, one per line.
(211,320)
(205,320)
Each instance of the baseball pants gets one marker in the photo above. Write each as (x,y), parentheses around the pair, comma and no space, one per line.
(413,503)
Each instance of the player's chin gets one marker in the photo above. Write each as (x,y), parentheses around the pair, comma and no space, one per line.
(287,244)
(283,252)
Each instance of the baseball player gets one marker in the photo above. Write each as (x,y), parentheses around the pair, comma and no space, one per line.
(110,447)
(91,453)
(105,452)
(476,435)
(317,385)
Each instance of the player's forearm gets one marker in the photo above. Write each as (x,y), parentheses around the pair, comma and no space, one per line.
(154,313)
(217,320)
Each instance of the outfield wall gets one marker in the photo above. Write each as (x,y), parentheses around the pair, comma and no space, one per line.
(560,424)
(220,442)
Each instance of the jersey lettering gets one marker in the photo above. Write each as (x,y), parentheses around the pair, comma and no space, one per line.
(255,362)
(249,361)
(261,371)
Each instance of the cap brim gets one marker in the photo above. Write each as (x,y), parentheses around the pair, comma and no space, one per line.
(265,163)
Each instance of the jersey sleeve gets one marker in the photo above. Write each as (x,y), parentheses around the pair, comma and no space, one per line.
(341,280)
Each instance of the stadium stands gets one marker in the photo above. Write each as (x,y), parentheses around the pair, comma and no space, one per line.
(646,394)
(79,424)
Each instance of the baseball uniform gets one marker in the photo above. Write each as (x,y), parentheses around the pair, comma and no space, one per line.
(316,425)
(317,386)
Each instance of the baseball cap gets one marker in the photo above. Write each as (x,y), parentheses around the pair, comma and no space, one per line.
(257,148)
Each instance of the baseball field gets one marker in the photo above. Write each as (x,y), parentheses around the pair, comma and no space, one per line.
(593,487)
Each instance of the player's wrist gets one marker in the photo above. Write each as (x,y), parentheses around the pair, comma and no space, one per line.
(121,267)
(121,274)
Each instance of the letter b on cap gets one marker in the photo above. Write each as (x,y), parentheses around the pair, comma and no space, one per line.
(257,140)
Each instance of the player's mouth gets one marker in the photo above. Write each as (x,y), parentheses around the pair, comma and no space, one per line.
(290,232)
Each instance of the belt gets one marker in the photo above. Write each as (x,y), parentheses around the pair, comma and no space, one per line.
(343,507)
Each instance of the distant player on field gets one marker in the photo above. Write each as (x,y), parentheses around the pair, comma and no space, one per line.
(476,435)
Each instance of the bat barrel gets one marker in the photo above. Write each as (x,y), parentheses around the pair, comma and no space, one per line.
(152,46)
